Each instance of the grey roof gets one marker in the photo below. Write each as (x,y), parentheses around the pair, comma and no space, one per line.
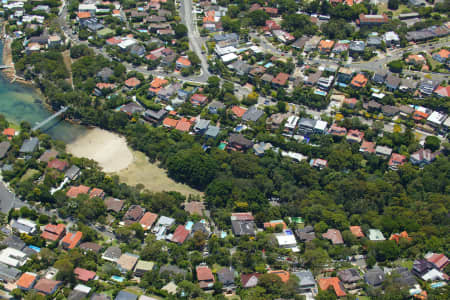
(172,269)
(199,226)
(123,295)
(212,131)
(306,234)
(72,172)
(392,80)
(241,67)
(225,36)
(100,297)
(77,295)
(105,73)
(405,277)
(240,140)
(8,200)
(306,278)
(165,221)
(14,241)
(374,277)
(9,274)
(389,110)
(29,145)
(300,43)
(252,114)
(349,275)
(112,252)
(20,227)
(217,105)
(4,147)
(305,122)
(226,276)
(201,124)
(374,41)
(379,78)
(157,115)
(357,46)
(243,227)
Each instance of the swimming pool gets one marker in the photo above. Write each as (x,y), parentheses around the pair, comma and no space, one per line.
(189,225)
(320,93)
(117,278)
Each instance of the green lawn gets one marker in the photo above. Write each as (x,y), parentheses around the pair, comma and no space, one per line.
(29,174)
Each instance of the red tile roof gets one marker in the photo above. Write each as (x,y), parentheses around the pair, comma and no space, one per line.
(397,236)
(199,99)
(57,164)
(96,192)
(71,240)
(243,216)
(419,115)
(183,125)
(274,224)
(368,147)
(443,91)
(132,82)
(83,15)
(26,281)
(325,283)
(9,132)
(104,85)
(439,260)
(171,123)
(281,79)
(337,131)
(180,234)
(53,232)
(204,274)
(147,220)
(397,160)
(357,231)
(245,278)
(359,80)
(158,82)
(74,191)
(238,111)
(83,274)
(184,61)
(334,235)
(284,275)
(46,286)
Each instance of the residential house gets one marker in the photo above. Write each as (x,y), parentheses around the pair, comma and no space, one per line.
(392,82)
(423,157)
(325,46)
(226,277)
(133,215)
(112,254)
(355,136)
(306,126)
(357,231)
(396,161)
(441,56)
(391,39)
(201,126)
(147,220)
(113,204)
(280,80)
(349,276)
(374,277)
(84,275)
(383,151)
(284,275)
(143,267)
(389,110)
(205,277)
(199,99)
(249,280)
(397,236)
(27,281)
(376,235)
(163,224)
(334,236)
(172,270)
(8,274)
(306,284)
(53,232)
(367,147)
(184,125)
(318,163)
(105,74)
(305,234)
(313,78)
(243,224)
(274,224)
(132,108)
(71,240)
(372,20)
(287,241)
(442,91)
(436,119)
(333,282)
(155,117)
(215,106)
(29,146)
(337,130)
(267,78)
(127,262)
(253,114)
(13,241)
(182,63)
(132,82)
(359,81)
(373,106)
(300,43)
(238,142)
(74,191)
(124,295)
(72,173)
(439,261)
(96,192)
(9,132)
(13,257)
(344,75)
(379,78)
(374,42)
(180,235)
(212,132)
(415,59)
(357,46)
(47,286)
(23,226)
(341,46)
(89,246)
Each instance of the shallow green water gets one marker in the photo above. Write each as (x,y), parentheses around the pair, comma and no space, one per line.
(18,103)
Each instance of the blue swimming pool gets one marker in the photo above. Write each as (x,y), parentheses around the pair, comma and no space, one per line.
(189,225)
(320,93)
(117,278)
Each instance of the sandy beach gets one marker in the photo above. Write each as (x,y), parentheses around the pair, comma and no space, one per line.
(7,59)
(108,149)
